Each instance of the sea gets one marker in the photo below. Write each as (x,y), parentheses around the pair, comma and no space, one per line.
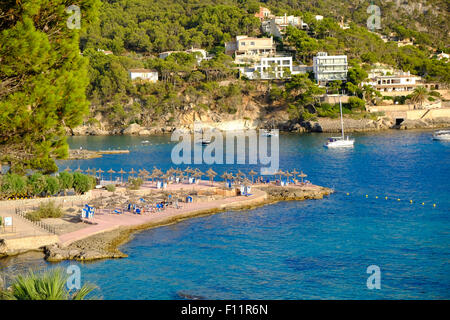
(383,234)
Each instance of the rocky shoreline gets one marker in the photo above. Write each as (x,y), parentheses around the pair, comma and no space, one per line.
(326,125)
(106,245)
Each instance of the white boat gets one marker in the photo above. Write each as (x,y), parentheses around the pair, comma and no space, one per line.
(145,141)
(267,133)
(205,141)
(340,142)
(443,135)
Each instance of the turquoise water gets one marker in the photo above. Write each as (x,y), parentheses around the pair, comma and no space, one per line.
(318,249)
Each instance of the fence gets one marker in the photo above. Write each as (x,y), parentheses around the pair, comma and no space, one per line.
(39,224)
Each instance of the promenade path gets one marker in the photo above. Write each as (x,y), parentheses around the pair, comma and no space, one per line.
(104,221)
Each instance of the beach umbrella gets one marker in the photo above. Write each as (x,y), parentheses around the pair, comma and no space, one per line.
(111,171)
(100,171)
(295,173)
(132,171)
(78,170)
(67,169)
(157,172)
(94,172)
(279,173)
(241,174)
(141,173)
(252,174)
(287,174)
(302,175)
(211,174)
(121,174)
(146,173)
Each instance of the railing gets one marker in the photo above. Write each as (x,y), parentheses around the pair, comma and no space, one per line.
(39,224)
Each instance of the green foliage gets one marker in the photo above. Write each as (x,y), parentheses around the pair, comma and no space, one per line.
(46,210)
(65,180)
(355,103)
(81,183)
(43,81)
(135,183)
(13,184)
(52,185)
(48,285)
(37,183)
(111,187)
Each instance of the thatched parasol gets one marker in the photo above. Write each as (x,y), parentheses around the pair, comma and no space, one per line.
(78,169)
(252,174)
(100,171)
(302,175)
(279,173)
(132,171)
(121,174)
(157,172)
(67,169)
(111,171)
(211,174)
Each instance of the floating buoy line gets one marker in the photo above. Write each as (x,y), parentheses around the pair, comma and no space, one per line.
(391,198)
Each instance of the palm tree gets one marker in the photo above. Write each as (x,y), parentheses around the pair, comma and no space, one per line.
(49,285)
(419,95)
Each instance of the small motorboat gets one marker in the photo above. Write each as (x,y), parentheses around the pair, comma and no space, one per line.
(145,141)
(267,133)
(442,135)
(205,141)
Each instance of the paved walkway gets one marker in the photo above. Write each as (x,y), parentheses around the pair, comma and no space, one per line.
(107,222)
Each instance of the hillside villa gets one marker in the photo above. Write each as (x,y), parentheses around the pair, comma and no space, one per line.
(249,49)
(143,74)
(398,82)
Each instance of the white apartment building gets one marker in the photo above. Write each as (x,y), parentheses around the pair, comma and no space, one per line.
(249,49)
(329,68)
(277,67)
(143,74)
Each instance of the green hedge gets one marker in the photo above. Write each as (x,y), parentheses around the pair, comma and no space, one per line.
(16,186)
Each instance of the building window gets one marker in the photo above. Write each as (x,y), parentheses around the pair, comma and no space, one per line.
(252,43)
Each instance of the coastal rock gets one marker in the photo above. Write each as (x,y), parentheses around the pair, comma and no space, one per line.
(133,129)
(144,132)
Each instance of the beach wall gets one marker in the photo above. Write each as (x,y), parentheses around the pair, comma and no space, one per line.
(64,201)
(19,245)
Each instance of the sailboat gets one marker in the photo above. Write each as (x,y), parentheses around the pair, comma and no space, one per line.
(340,142)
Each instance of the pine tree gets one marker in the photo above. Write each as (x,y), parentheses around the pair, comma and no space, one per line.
(43,79)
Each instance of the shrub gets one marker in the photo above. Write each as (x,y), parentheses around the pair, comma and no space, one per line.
(52,185)
(37,183)
(81,183)
(111,187)
(135,183)
(48,285)
(355,103)
(14,184)
(46,210)
(65,180)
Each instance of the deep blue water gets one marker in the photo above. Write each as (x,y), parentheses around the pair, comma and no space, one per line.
(317,249)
